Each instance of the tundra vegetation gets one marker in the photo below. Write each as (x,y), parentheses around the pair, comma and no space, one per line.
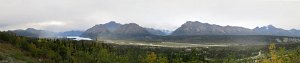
(21,49)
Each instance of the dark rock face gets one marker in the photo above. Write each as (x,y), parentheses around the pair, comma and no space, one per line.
(96,31)
(112,26)
(198,28)
(131,29)
(101,30)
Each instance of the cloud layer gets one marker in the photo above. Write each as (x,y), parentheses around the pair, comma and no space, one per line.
(62,15)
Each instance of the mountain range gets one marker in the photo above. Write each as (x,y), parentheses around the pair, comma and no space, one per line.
(113,29)
(31,32)
(272,30)
(117,30)
(198,28)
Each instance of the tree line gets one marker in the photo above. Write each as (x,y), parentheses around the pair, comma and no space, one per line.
(71,51)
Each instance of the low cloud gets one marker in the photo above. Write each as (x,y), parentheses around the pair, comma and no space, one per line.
(62,15)
(54,25)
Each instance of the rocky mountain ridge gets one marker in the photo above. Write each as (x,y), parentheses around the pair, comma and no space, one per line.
(190,28)
(113,30)
(198,28)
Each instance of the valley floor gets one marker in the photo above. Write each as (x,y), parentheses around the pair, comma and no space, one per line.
(166,44)
(17,49)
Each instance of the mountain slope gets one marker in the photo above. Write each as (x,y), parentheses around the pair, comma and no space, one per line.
(95,31)
(112,25)
(115,30)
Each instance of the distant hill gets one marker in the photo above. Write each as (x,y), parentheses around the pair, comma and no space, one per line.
(71,33)
(157,32)
(31,32)
(272,30)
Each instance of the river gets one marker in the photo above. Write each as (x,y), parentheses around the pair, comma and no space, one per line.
(78,38)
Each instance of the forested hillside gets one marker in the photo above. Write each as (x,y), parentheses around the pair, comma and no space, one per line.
(36,50)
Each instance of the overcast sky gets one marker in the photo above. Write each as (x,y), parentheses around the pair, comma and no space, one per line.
(62,15)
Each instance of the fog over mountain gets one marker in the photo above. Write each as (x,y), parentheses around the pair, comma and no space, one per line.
(65,15)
